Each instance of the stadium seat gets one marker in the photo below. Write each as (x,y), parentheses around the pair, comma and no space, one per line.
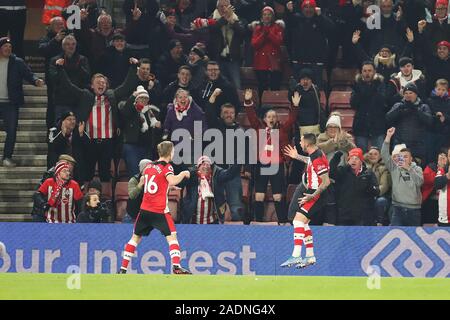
(339,100)
(121,198)
(242,119)
(112,169)
(342,79)
(107,190)
(248,78)
(245,189)
(323,99)
(347,119)
(122,171)
(276,99)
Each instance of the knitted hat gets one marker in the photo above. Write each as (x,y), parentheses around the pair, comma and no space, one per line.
(404,61)
(143,163)
(356,152)
(60,165)
(306,73)
(334,120)
(65,115)
(203,159)
(441,2)
(198,51)
(4,40)
(411,87)
(444,43)
(95,184)
(268,8)
(308,2)
(398,148)
(141,92)
(118,36)
(173,43)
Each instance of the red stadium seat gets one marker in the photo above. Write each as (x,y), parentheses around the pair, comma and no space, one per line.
(107,190)
(323,99)
(122,172)
(347,119)
(248,78)
(339,100)
(342,79)
(276,98)
(121,198)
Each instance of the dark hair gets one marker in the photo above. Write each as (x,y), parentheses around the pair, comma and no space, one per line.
(227,105)
(310,137)
(374,148)
(144,61)
(184,67)
(407,150)
(367,62)
(212,63)
(87,199)
(404,61)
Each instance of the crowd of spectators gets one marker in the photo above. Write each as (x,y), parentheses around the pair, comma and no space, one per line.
(117,92)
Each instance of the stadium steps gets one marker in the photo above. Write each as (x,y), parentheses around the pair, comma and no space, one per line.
(18,184)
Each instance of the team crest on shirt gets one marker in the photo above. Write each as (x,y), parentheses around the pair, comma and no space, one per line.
(65,196)
(170,168)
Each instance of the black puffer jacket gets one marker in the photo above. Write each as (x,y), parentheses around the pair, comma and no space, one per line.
(412,121)
(440,104)
(368,99)
(355,194)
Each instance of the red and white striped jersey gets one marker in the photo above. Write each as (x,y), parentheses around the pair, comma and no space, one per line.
(100,124)
(205,211)
(156,187)
(65,210)
(443,199)
(317,165)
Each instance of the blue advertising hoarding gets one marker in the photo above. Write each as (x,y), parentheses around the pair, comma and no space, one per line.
(227,249)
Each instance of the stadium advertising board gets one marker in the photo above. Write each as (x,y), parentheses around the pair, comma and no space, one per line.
(218,249)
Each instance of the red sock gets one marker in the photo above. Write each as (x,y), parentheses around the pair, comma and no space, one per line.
(174,250)
(130,248)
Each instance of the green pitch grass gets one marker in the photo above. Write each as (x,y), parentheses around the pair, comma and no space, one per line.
(170,287)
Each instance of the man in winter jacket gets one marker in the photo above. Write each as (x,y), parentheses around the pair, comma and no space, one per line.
(356,189)
(412,118)
(368,99)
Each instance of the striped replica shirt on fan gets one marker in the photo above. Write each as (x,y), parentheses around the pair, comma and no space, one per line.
(100,124)
(444,197)
(205,211)
(317,165)
(64,212)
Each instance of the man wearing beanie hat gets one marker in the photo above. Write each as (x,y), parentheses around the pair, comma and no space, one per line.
(357,187)
(412,119)
(140,129)
(167,65)
(309,34)
(368,99)
(114,63)
(13,71)
(198,65)
(202,203)
(334,138)
(68,137)
(407,74)
(62,193)
(434,45)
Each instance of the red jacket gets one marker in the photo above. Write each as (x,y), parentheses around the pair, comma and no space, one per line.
(284,130)
(266,42)
(428,181)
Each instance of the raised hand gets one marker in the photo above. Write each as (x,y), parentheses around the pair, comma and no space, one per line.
(290,6)
(290,152)
(39,83)
(137,13)
(134,61)
(356,36)
(59,62)
(296,98)
(318,11)
(399,14)
(248,95)
(84,13)
(409,35)
(390,132)
(441,116)
(421,25)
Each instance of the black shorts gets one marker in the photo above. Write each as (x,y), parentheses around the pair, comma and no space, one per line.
(277,181)
(313,206)
(146,221)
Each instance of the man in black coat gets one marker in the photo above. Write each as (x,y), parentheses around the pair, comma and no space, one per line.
(412,119)
(167,65)
(13,71)
(356,190)
(215,80)
(368,99)
(50,46)
(78,71)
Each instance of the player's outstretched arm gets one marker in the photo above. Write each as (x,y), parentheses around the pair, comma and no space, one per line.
(174,180)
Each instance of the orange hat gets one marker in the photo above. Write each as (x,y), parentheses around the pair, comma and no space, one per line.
(356,152)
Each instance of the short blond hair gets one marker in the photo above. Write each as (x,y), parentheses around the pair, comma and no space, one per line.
(165,148)
(442,82)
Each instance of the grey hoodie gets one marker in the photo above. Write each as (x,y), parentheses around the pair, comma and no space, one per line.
(405,183)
